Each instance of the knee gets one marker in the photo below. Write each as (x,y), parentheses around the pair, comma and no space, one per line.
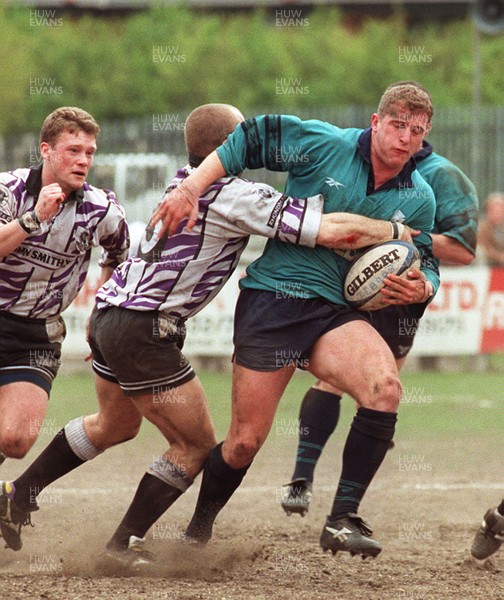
(385,393)
(241,452)
(16,445)
(391,390)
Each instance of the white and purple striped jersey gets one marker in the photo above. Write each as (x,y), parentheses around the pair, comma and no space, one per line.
(42,276)
(180,274)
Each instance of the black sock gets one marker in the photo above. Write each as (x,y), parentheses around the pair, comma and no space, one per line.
(318,417)
(500,508)
(152,499)
(217,486)
(56,460)
(365,448)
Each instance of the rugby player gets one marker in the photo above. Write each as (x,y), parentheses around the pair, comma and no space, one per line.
(50,220)
(454,243)
(137,331)
(369,172)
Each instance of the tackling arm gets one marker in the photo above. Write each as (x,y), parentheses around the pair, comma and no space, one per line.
(348,231)
(182,202)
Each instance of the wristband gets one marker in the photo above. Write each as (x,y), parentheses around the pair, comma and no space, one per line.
(29,222)
(397,230)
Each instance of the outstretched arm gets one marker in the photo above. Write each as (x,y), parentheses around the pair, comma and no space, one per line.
(347,231)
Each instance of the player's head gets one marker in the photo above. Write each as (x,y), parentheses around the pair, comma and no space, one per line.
(406,94)
(67,147)
(207,127)
(69,119)
(399,126)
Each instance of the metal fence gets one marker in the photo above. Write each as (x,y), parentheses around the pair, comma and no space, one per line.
(475,142)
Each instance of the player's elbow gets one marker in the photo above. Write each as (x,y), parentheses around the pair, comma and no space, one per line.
(463,259)
(467,259)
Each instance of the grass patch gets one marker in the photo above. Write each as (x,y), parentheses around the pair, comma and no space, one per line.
(433,404)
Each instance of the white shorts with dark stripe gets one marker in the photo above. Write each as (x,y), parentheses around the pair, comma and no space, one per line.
(141,351)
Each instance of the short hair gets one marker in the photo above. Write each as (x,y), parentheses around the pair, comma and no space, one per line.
(413,94)
(67,118)
(208,126)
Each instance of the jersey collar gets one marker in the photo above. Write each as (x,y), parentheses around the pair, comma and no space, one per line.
(34,185)
(425,151)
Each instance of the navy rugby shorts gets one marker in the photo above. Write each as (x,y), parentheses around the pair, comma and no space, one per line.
(139,350)
(398,326)
(271,333)
(30,349)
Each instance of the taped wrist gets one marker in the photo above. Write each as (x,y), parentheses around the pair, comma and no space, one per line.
(397,230)
(29,222)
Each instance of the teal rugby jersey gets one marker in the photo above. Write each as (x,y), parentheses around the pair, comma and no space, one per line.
(457,206)
(322,158)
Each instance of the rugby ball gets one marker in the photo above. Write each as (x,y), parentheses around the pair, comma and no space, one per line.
(367,272)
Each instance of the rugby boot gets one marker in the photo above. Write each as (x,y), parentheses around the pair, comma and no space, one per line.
(490,535)
(296,496)
(134,558)
(349,534)
(12,518)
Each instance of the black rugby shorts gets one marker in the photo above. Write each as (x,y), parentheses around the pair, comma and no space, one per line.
(398,326)
(30,349)
(139,350)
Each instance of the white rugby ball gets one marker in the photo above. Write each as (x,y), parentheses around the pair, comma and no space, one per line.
(367,272)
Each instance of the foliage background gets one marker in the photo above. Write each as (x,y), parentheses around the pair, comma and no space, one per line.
(107,65)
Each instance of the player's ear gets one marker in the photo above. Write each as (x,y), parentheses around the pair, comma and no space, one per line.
(375,118)
(44,150)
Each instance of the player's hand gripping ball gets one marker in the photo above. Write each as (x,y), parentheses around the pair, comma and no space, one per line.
(367,272)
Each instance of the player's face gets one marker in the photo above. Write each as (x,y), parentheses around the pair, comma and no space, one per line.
(396,137)
(68,161)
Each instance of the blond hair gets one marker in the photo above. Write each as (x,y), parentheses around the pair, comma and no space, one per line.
(412,94)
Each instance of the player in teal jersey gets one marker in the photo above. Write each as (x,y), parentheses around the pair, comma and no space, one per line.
(345,183)
(454,243)
(291,312)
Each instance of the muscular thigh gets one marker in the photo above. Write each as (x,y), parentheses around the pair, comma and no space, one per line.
(355,359)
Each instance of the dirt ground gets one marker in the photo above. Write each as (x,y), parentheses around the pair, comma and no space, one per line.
(424,507)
